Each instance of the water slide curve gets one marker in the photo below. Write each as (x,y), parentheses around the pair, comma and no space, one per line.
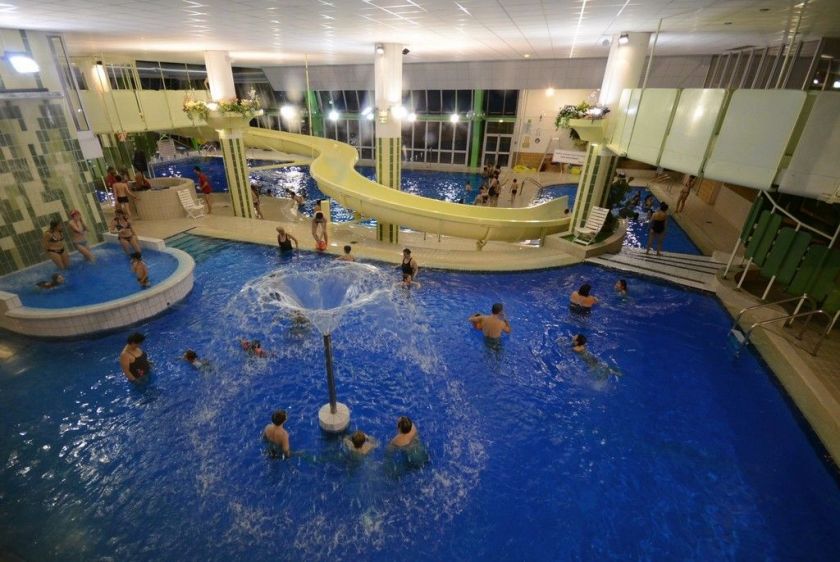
(333,168)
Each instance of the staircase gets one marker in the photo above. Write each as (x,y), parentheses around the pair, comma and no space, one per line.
(199,247)
(693,271)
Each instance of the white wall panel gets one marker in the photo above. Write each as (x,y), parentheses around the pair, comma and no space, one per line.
(752,140)
(652,120)
(696,116)
(623,132)
(815,167)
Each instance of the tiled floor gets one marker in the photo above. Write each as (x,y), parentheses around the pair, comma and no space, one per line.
(813,382)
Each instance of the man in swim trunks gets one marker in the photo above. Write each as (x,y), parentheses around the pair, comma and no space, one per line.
(492,325)
(277,436)
(406,433)
(122,193)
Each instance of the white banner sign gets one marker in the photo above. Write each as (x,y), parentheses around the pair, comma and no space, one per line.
(569,157)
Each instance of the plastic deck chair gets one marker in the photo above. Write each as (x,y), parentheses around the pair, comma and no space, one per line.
(785,254)
(747,232)
(594,223)
(762,240)
(194,209)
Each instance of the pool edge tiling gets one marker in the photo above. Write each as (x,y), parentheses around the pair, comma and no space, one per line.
(90,319)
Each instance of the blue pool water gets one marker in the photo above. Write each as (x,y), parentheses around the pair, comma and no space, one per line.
(108,279)
(664,446)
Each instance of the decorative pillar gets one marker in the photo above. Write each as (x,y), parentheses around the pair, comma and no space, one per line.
(624,69)
(229,127)
(387,72)
(477,128)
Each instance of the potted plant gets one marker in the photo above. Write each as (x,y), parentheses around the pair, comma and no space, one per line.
(581,121)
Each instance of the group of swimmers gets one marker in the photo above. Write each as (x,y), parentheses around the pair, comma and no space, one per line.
(581,302)
(54,245)
(358,444)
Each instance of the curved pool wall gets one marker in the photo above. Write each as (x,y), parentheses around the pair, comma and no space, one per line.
(89,319)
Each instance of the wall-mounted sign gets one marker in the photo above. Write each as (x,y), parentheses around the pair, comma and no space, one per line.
(569,157)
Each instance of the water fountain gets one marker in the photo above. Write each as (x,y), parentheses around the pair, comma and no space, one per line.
(323,295)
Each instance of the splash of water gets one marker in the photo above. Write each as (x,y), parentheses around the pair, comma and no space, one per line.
(323,294)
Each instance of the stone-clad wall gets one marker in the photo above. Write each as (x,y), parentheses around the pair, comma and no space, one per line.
(43,174)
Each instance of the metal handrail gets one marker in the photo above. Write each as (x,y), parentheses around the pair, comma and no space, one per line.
(801,300)
(748,333)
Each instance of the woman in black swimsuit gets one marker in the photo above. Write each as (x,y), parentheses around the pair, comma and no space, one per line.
(409,265)
(53,243)
(284,240)
(125,233)
(657,228)
(133,360)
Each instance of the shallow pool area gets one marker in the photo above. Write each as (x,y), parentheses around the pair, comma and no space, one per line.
(660,444)
(108,279)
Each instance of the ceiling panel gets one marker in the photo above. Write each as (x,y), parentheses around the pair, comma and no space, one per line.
(344,31)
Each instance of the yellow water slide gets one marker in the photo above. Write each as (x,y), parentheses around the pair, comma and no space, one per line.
(333,168)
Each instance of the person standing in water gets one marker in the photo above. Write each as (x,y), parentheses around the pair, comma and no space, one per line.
(284,240)
(138,266)
(359,443)
(205,187)
(582,300)
(53,243)
(409,266)
(277,436)
(133,360)
(658,222)
(346,255)
(78,233)
(491,325)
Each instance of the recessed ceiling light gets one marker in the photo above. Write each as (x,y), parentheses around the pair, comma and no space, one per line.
(549,92)
(23,64)
(623,39)
(527,55)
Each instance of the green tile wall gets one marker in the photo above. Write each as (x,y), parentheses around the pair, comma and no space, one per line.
(43,175)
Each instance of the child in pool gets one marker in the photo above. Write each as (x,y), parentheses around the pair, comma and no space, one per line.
(140,270)
(621,287)
(56,280)
(253,347)
(191,357)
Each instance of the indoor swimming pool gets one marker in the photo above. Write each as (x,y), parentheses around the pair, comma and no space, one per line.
(658,444)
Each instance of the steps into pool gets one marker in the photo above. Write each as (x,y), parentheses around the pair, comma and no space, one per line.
(688,270)
(199,247)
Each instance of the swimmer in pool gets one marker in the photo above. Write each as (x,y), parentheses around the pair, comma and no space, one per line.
(581,300)
(621,287)
(579,343)
(56,280)
(360,444)
(138,266)
(406,433)
(253,347)
(491,325)
(191,357)
(346,255)
(408,282)
(277,436)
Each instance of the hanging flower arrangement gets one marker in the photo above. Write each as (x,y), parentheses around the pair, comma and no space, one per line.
(198,109)
(583,110)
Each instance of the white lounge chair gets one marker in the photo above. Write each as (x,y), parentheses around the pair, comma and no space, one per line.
(594,223)
(194,209)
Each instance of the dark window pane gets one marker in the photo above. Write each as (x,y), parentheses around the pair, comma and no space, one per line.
(502,161)
(464,101)
(433,100)
(353,133)
(432,135)
(511,97)
(449,101)
(338,101)
(419,135)
(494,103)
(365,100)
(418,97)
(367,154)
(459,158)
(461,136)
(366,133)
(504,144)
(406,134)
(446,133)
(406,99)
(351,101)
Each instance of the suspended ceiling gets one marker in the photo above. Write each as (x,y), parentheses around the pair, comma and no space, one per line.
(276,32)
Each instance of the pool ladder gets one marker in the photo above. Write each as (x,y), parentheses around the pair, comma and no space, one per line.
(744,337)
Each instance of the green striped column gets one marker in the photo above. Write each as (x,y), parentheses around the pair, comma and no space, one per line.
(315,117)
(388,173)
(477,129)
(595,177)
(236,172)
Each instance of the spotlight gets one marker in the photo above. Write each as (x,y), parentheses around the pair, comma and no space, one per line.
(623,39)
(399,112)
(816,81)
(549,92)
(333,115)
(287,111)
(380,49)
(836,85)
(412,117)
(605,41)
(367,111)
(369,116)
(454,118)
(24,64)
(406,51)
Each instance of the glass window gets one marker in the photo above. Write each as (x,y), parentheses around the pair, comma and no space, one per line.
(494,103)
(459,158)
(504,144)
(353,137)
(351,100)
(464,101)
(461,136)
(406,135)
(511,98)
(418,98)
(449,101)
(447,132)
(419,135)
(365,100)
(432,135)
(433,101)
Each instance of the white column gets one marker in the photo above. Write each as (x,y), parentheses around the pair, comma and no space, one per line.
(624,67)
(219,75)
(387,71)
